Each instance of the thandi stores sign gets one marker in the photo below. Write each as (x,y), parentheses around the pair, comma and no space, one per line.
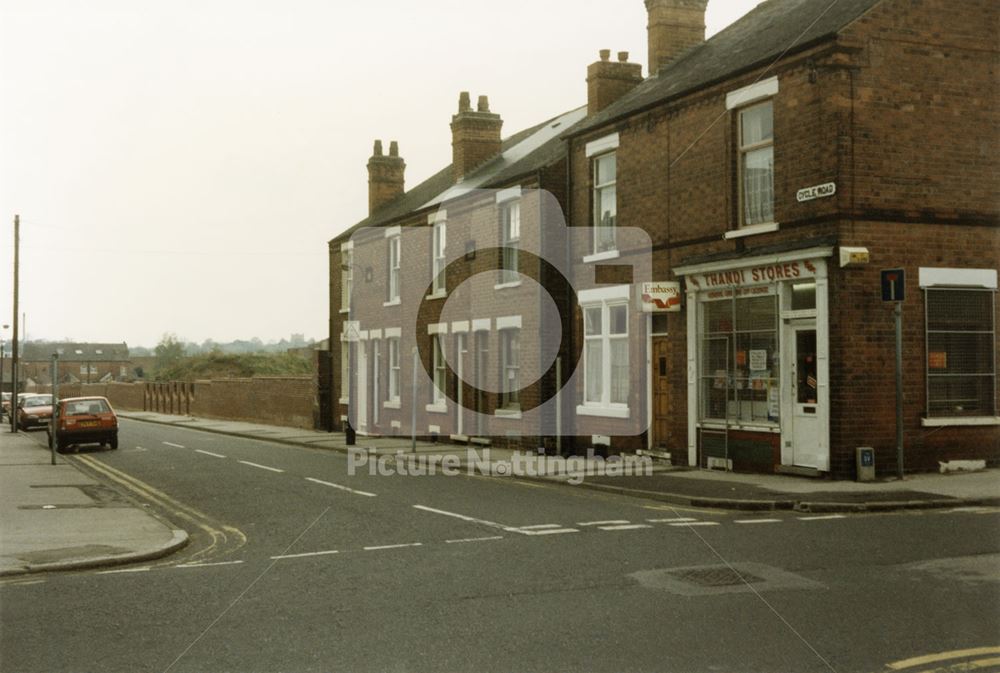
(756,275)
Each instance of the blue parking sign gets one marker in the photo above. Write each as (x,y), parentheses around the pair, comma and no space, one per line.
(893,285)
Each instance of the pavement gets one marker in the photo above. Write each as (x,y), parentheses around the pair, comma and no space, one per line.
(56,517)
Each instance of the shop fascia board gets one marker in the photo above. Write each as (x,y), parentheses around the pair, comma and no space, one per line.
(763,260)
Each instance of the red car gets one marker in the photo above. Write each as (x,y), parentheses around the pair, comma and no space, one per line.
(85,420)
(33,410)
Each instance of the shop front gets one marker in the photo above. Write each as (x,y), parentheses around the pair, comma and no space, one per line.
(758,362)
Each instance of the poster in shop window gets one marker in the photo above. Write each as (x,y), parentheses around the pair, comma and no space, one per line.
(758,360)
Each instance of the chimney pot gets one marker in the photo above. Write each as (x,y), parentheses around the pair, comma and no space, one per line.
(393,149)
(623,57)
(378,148)
(464,102)
(607,81)
(385,176)
(605,54)
(484,104)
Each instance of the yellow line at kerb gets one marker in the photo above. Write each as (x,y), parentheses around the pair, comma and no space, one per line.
(945,656)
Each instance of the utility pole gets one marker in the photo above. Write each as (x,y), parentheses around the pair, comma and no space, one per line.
(53,441)
(13,359)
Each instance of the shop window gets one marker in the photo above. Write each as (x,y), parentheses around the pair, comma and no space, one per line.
(804,296)
(961,352)
(739,359)
(756,164)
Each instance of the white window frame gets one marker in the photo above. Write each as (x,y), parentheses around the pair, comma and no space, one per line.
(392,389)
(599,188)
(439,373)
(346,277)
(393,255)
(605,299)
(510,240)
(439,243)
(507,365)
(743,150)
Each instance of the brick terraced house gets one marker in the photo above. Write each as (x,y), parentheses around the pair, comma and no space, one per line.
(777,169)
(78,362)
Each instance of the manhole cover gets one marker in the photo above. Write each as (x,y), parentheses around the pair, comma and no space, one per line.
(715,577)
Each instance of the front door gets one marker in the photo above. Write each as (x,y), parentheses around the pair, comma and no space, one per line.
(806,430)
(460,350)
(376,381)
(661,389)
(481,355)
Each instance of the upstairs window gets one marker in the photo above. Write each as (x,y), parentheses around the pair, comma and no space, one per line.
(510,223)
(961,352)
(393,267)
(346,278)
(756,164)
(605,202)
(438,243)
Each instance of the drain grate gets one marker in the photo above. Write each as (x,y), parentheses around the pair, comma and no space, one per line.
(723,576)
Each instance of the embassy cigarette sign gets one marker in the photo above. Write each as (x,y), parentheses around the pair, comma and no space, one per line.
(661,297)
(758,275)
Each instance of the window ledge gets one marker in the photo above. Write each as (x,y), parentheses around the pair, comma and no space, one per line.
(744,427)
(751,230)
(601,256)
(345,311)
(439,294)
(514,414)
(941,422)
(507,286)
(344,400)
(392,302)
(440,408)
(603,412)
(393,404)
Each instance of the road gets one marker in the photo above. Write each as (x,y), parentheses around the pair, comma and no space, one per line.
(297,566)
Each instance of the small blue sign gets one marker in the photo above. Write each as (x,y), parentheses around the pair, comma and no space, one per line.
(893,285)
(867,458)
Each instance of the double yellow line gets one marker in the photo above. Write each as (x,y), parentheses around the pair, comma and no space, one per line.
(224,539)
(986,663)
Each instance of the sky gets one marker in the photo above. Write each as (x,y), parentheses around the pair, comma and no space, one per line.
(178,167)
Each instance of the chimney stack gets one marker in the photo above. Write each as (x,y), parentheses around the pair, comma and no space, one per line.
(385,176)
(475,135)
(608,81)
(674,27)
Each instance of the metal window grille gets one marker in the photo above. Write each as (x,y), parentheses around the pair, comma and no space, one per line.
(960,335)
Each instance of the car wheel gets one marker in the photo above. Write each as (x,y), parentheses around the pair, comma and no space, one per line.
(114,441)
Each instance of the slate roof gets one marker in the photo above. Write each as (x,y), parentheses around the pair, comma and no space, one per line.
(74,352)
(773,29)
(521,154)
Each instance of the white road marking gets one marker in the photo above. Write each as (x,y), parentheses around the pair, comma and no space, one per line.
(474,539)
(209,453)
(676,519)
(630,526)
(394,546)
(943,656)
(314,553)
(549,531)
(262,467)
(695,523)
(176,446)
(124,570)
(825,517)
(484,522)
(541,526)
(208,565)
(615,522)
(342,488)
(757,521)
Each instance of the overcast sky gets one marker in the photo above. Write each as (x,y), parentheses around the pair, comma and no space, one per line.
(179,166)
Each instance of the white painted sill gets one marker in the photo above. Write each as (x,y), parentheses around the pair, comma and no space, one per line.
(512,414)
(968,421)
(751,230)
(602,256)
(392,302)
(602,412)
(345,311)
(507,286)
(344,400)
(440,294)
(392,404)
(441,408)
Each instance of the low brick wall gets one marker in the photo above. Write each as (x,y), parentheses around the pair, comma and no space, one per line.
(286,401)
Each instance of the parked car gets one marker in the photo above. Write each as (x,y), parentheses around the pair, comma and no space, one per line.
(85,420)
(5,404)
(33,411)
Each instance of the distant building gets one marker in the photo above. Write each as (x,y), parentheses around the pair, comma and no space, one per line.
(78,362)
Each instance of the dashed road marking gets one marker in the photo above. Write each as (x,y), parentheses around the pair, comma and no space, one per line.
(548,531)
(470,519)
(394,546)
(176,446)
(541,526)
(209,453)
(752,521)
(261,467)
(125,570)
(305,555)
(613,522)
(208,565)
(676,519)
(341,488)
(695,523)
(628,526)
(474,539)
(824,517)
